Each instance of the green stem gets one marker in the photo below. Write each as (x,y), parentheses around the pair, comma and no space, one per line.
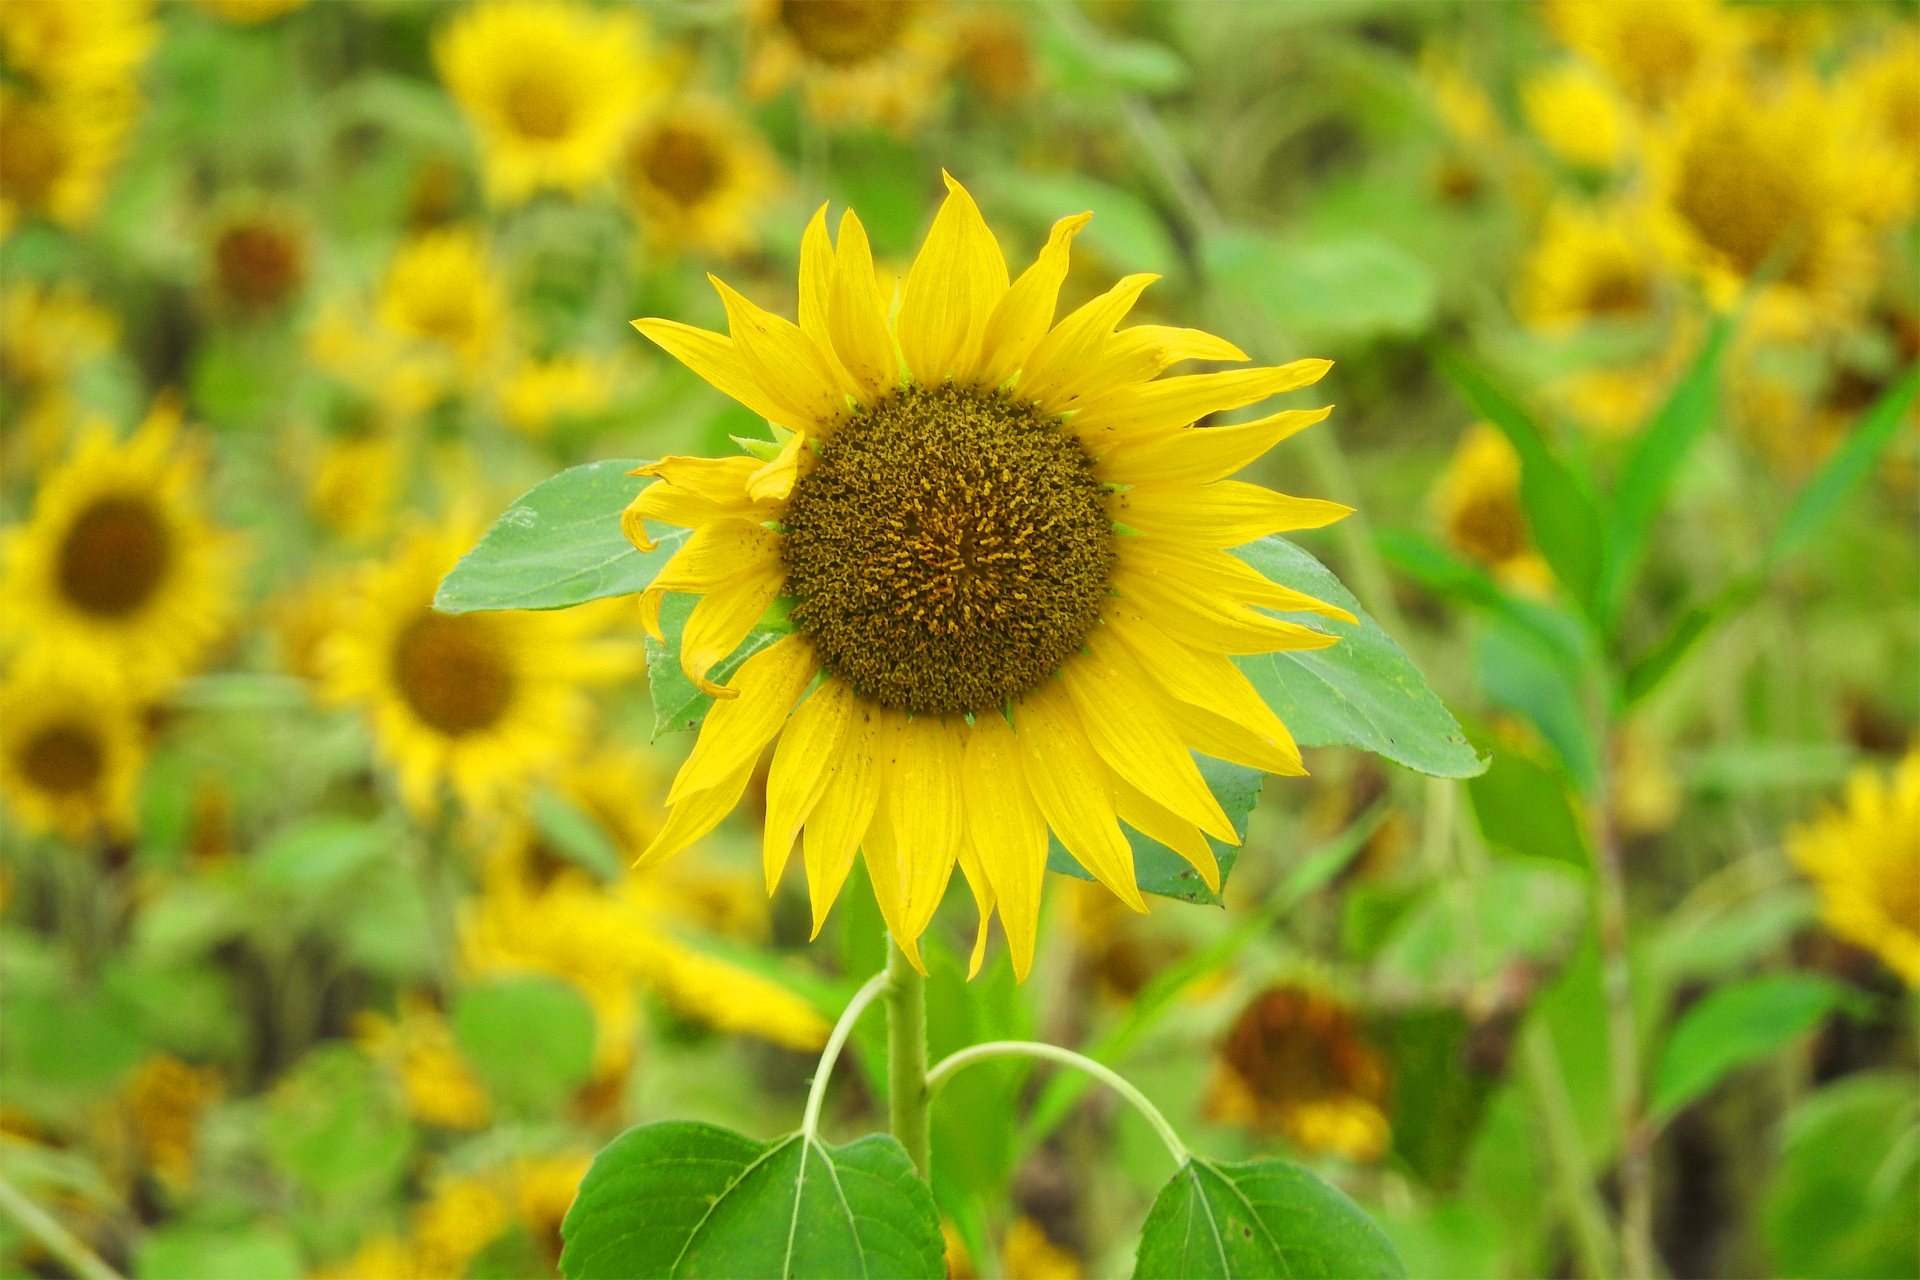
(53,1237)
(908,1103)
(817,1095)
(1106,1075)
(1567,1162)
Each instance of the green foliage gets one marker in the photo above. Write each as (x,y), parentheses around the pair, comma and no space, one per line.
(684,1199)
(530,1040)
(1260,1218)
(190,1251)
(1355,285)
(1732,1026)
(336,1130)
(1844,1201)
(1835,482)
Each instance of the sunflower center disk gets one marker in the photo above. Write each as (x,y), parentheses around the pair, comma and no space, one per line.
(114,556)
(453,672)
(539,107)
(682,164)
(949,550)
(63,759)
(844,33)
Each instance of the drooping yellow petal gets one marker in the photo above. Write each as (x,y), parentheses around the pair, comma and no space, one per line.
(720,480)
(1210,622)
(840,820)
(1171,403)
(924,806)
(1202,454)
(696,815)
(957,279)
(785,363)
(1226,513)
(1204,569)
(717,553)
(857,315)
(1074,789)
(1059,357)
(1006,832)
(722,619)
(1127,730)
(982,900)
(1157,822)
(1224,738)
(803,765)
(719,361)
(880,847)
(774,481)
(765,688)
(1022,317)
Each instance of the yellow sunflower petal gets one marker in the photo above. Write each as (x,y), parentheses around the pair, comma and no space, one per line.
(1022,317)
(1006,831)
(1117,711)
(1226,513)
(857,315)
(1202,454)
(1059,357)
(1210,622)
(1145,351)
(924,806)
(1074,789)
(1224,738)
(696,815)
(719,480)
(1204,569)
(1171,403)
(982,900)
(956,281)
(719,361)
(840,820)
(774,481)
(803,765)
(765,688)
(816,290)
(1157,822)
(717,553)
(785,363)
(721,621)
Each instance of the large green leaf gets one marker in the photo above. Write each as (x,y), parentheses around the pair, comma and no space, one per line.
(1363,692)
(1844,1199)
(1735,1025)
(1261,1218)
(559,545)
(1355,285)
(530,1039)
(686,1199)
(1158,869)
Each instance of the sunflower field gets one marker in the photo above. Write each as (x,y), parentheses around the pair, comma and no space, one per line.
(972,638)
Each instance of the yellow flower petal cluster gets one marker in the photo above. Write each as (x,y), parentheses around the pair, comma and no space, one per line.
(1591,263)
(118,582)
(441,291)
(418,1046)
(697,175)
(48,331)
(165,1099)
(551,88)
(250,11)
(1576,114)
(1477,501)
(1653,50)
(70,759)
(856,61)
(1865,858)
(541,391)
(973,498)
(481,702)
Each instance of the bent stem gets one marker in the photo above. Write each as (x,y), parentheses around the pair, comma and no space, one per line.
(908,1104)
(817,1095)
(1106,1075)
(53,1237)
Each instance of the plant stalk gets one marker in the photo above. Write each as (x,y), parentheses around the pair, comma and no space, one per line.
(909,1106)
(54,1238)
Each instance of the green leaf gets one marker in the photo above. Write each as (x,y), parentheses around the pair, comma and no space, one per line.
(1518,673)
(1559,634)
(1523,806)
(1353,286)
(1735,1025)
(1845,470)
(181,1251)
(677,702)
(1125,230)
(1363,692)
(1158,869)
(336,1126)
(1460,942)
(559,545)
(1652,465)
(1561,507)
(1261,1218)
(574,834)
(1844,1200)
(686,1199)
(529,1039)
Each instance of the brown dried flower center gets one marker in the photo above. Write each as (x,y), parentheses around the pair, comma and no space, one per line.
(30,155)
(259,265)
(681,164)
(1743,201)
(845,33)
(115,555)
(64,758)
(537,106)
(453,672)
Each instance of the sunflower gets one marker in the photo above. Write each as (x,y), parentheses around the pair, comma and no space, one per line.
(697,175)
(1653,49)
(118,581)
(856,61)
(47,332)
(441,291)
(540,392)
(258,261)
(485,702)
(436,1080)
(250,12)
(58,151)
(1005,551)
(1477,500)
(1880,97)
(77,43)
(1296,1063)
(1863,858)
(70,760)
(1580,119)
(165,1100)
(552,90)
(1590,264)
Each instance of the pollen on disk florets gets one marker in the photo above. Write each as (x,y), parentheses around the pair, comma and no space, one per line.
(949,550)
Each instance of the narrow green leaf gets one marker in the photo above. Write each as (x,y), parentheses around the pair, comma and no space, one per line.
(677,702)
(1735,1025)
(1259,1219)
(1652,465)
(1561,508)
(1517,672)
(1158,869)
(559,545)
(686,1199)
(570,831)
(1845,470)
(1566,637)
(1652,668)
(1363,692)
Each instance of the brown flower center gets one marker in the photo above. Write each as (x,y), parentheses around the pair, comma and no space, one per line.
(258,265)
(1294,1048)
(453,672)
(949,550)
(65,758)
(845,33)
(681,164)
(1616,291)
(1743,200)
(115,556)
(537,106)
(1489,527)
(30,155)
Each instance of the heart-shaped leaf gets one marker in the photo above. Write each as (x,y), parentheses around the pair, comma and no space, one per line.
(1261,1218)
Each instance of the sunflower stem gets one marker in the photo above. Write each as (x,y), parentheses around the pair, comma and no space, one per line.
(909,1104)
(817,1094)
(1106,1075)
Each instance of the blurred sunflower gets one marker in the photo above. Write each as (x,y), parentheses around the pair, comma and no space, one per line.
(441,290)
(1590,264)
(418,1046)
(551,89)
(1879,96)
(1865,858)
(481,701)
(949,538)
(1296,1063)
(165,1099)
(1653,49)
(697,176)
(258,261)
(1572,110)
(540,392)
(1477,501)
(57,152)
(47,332)
(355,479)
(118,581)
(856,61)
(77,42)
(70,759)
(250,11)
